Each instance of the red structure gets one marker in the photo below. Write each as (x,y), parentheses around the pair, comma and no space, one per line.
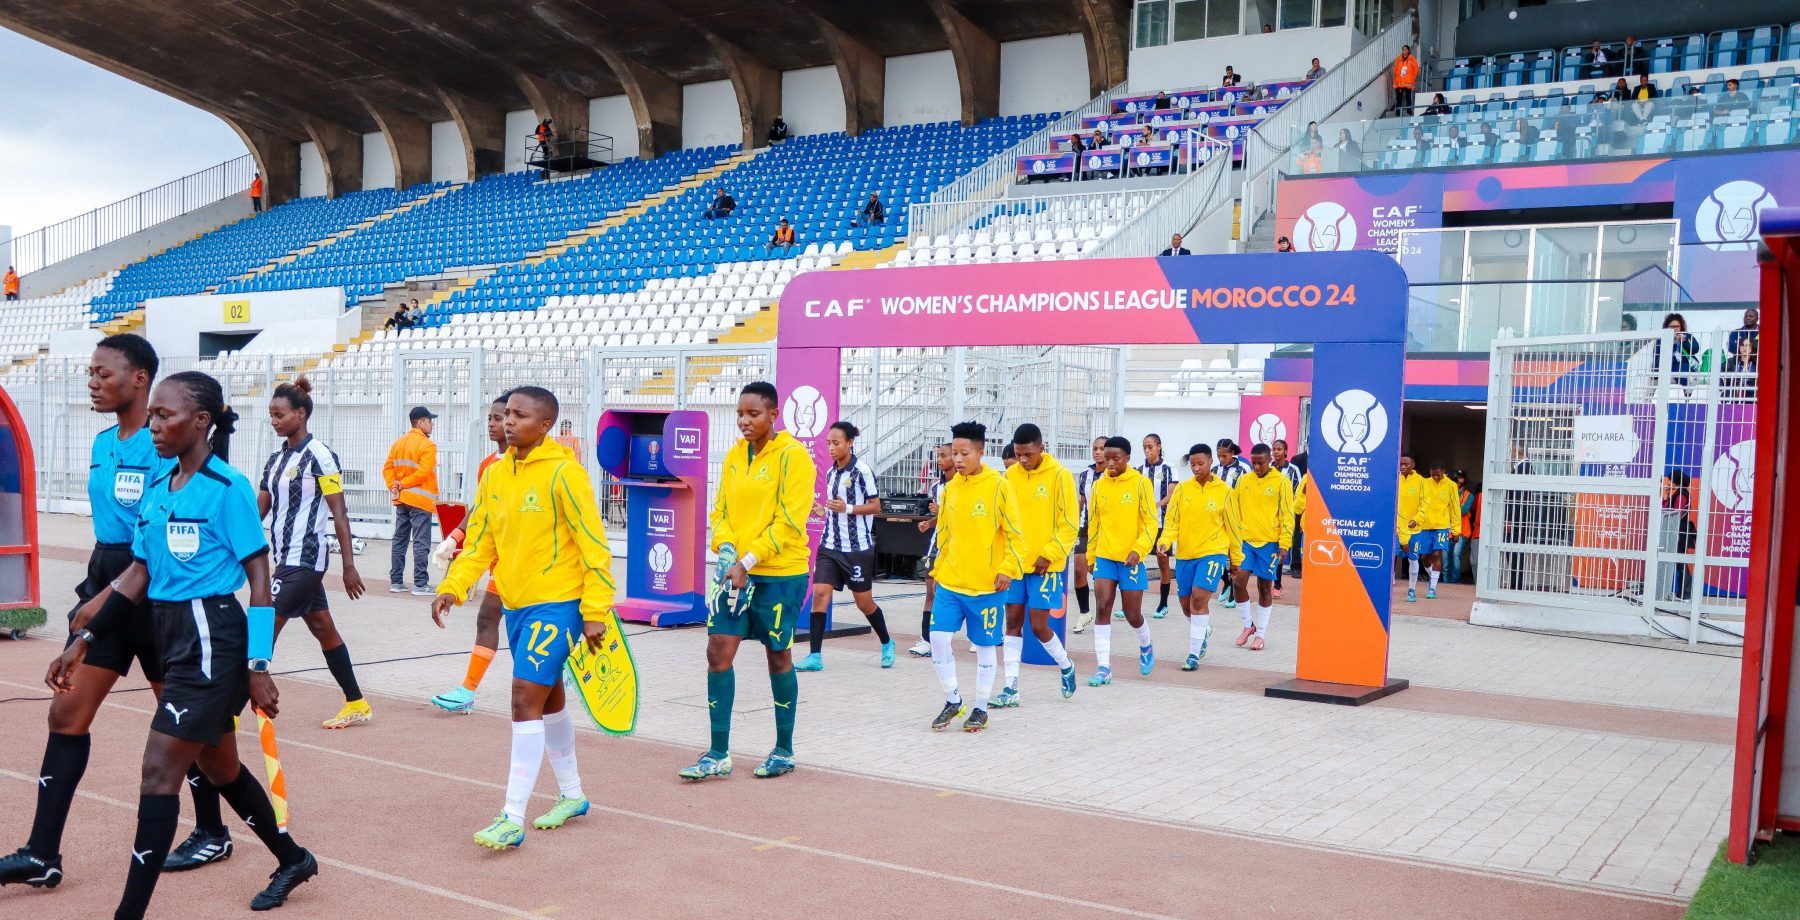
(18,519)
(1768,738)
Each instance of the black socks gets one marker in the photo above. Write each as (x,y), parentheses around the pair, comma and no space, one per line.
(1165,595)
(815,635)
(65,760)
(157,818)
(1081,597)
(338,660)
(251,803)
(878,622)
(207,816)
(925,626)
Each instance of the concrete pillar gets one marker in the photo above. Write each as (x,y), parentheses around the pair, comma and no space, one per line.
(482,127)
(758,88)
(277,158)
(1106,31)
(548,100)
(408,141)
(655,101)
(977,57)
(863,73)
(340,149)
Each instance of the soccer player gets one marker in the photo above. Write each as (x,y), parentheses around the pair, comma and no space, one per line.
(935,492)
(1121,531)
(536,524)
(759,533)
(198,540)
(461,698)
(123,462)
(301,490)
(1162,484)
(1263,502)
(847,553)
(1278,457)
(1407,519)
(1047,521)
(1230,465)
(1084,489)
(1440,518)
(1206,547)
(980,553)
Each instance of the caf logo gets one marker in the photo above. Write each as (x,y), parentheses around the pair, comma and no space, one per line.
(1727,218)
(1733,481)
(661,559)
(1037,166)
(1267,429)
(1325,227)
(804,413)
(1354,422)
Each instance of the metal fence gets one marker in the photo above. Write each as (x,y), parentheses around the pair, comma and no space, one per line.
(1617,477)
(1203,190)
(122,218)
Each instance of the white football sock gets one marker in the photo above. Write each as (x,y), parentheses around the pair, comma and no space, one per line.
(984,674)
(1197,632)
(1015,646)
(1057,653)
(527,760)
(559,743)
(1434,573)
(1103,644)
(1244,611)
(1412,573)
(1143,634)
(1262,619)
(943,658)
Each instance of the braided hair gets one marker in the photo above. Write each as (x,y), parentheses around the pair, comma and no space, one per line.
(209,397)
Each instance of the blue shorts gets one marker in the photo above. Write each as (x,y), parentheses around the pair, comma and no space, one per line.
(1263,560)
(1426,542)
(1201,573)
(1136,578)
(542,636)
(1038,592)
(983,615)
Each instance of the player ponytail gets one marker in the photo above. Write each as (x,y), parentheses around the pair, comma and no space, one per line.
(298,395)
(209,398)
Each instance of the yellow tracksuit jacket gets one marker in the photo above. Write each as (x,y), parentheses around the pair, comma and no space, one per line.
(1199,521)
(535,522)
(1049,511)
(978,534)
(1412,493)
(763,503)
(1121,516)
(1264,509)
(1440,506)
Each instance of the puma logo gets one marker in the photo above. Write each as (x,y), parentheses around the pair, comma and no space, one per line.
(534,662)
(781,705)
(177,713)
(44,780)
(1327,550)
(140,854)
(774,634)
(194,781)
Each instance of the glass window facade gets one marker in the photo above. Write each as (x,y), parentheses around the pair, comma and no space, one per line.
(1153,23)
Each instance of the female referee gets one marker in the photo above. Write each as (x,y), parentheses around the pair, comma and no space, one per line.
(198,540)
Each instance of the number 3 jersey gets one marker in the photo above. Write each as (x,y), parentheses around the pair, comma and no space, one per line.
(119,474)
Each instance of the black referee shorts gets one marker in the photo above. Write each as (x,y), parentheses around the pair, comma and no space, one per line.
(841,570)
(297,591)
(135,638)
(206,677)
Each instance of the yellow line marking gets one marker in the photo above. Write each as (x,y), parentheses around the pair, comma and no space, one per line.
(773,844)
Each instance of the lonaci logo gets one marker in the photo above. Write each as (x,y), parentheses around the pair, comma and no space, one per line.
(1325,227)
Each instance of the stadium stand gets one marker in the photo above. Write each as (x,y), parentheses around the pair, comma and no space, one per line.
(1138,137)
(1747,47)
(28,323)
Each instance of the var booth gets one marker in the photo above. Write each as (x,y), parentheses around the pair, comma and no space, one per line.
(1351,306)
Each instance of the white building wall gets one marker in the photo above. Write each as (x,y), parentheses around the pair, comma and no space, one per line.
(922,88)
(611,116)
(1043,75)
(378,162)
(312,171)
(1284,55)
(449,161)
(812,101)
(709,115)
(519,126)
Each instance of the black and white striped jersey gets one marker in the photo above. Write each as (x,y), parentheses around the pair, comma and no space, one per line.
(297,480)
(1162,482)
(1084,490)
(853,484)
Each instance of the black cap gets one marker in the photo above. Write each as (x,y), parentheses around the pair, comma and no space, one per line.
(420,412)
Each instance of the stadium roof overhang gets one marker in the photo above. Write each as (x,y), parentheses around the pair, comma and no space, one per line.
(285,71)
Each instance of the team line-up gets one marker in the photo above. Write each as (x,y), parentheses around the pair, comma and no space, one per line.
(178,532)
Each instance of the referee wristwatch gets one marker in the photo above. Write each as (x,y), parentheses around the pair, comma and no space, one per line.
(259,665)
(84,635)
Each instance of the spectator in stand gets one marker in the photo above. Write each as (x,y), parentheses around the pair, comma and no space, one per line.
(398,321)
(12,283)
(1528,134)
(1419,139)
(1316,72)
(1097,140)
(1312,161)
(722,205)
(1075,145)
(1312,135)
(783,238)
(546,143)
(1621,90)
(1599,64)
(778,131)
(1406,79)
(1644,88)
(1686,354)
(1161,101)
(256,194)
(1348,150)
(1175,247)
(1231,77)
(1746,332)
(1439,105)
(1454,140)
(1733,98)
(1267,28)
(1739,380)
(873,213)
(1284,245)
(1635,60)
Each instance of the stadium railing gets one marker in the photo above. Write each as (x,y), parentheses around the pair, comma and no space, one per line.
(1148,233)
(113,222)
(1267,146)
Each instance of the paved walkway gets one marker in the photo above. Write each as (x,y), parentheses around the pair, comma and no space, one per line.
(1556,761)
